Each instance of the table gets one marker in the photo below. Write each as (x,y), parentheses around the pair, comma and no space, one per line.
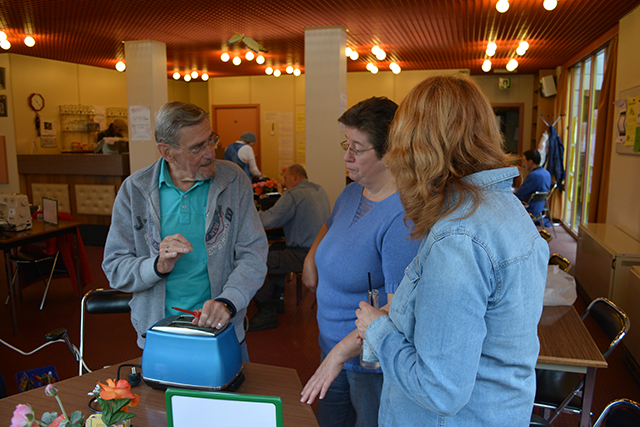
(259,380)
(11,240)
(566,345)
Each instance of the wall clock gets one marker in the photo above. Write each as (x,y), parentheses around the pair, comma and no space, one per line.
(36,101)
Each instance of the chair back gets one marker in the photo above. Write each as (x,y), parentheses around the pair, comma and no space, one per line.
(620,413)
(560,261)
(538,196)
(611,319)
(545,235)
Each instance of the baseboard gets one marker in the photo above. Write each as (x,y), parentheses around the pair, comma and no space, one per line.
(94,235)
(631,363)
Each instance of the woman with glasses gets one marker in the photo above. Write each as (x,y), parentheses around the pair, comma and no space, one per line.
(364,243)
(459,344)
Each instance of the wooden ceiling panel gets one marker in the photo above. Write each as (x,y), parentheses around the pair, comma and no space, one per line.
(417,34)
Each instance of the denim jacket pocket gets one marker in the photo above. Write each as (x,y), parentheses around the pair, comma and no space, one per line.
(405,292)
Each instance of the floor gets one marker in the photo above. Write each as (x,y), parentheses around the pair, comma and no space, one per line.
(110,338)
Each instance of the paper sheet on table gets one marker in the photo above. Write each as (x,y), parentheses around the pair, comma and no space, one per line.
(50,210)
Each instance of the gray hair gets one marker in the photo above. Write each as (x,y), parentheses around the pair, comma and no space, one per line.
(175,115)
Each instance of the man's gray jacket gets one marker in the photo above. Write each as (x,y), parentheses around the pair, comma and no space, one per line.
(235,240)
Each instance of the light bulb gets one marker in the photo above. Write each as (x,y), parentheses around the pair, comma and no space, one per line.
(370,66)
(176,76)
(249,56)
(550,4)
(375,49)
(29,41)
(120,66)
(381,55)
(354,55)
(502,6)
(486,66)
(491,48)
(224,57)
(236,60)
(194,74)
(5,44)
(296,72)
(3,35)
(374,70)
(260,59)
(269,71)
(512,65)
(395,68)
(276,73)
(289,69)
(348,51)
(205,77)
(187,78)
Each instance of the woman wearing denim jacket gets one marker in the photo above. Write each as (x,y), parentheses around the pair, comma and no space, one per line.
(459,344)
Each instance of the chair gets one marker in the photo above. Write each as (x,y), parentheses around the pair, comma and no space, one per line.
(26,257)
(562,391)
(545,235)
(299,295)
(101,301)
(538,196)
(560,261)
(620,413)
(538,421)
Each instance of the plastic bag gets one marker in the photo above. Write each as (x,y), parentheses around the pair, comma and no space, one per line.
(561,287)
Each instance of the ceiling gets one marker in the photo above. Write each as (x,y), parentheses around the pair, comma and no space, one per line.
(417,34)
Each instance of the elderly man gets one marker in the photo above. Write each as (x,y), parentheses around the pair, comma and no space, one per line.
(184,232)
(301,212)
(241,153)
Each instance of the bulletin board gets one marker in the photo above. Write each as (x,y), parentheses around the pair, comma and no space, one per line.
(621,148)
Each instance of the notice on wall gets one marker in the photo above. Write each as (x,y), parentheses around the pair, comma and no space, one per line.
(286,123)
(285,147)
(140,123)
(271,117)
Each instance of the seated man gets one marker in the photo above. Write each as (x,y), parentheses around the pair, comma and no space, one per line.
(301,211)
(241,153)
(538,179)
(184,232)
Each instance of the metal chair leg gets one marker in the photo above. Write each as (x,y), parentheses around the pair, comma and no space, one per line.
(55,260)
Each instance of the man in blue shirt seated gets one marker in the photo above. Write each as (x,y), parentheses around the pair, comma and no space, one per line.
(301,212)
(539,179)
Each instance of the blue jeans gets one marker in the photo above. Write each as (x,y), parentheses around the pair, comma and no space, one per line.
(353,399)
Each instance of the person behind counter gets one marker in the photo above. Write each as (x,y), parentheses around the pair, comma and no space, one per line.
(459,344)
(115,129)
(184,231)
(301,211)
(365,236)
(241,153)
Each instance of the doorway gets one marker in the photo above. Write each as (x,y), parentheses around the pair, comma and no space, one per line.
(511,121)
(231,121)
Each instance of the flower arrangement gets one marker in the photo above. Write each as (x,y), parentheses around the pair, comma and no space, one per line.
(24,416)
(114,398)
(268,186)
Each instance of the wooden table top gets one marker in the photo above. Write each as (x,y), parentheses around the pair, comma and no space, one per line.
(39,228)
(565,340)
(259,380)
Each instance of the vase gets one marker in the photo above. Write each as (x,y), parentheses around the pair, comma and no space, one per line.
(95,420)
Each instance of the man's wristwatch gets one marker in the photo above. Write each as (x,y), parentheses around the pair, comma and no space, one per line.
(228,305)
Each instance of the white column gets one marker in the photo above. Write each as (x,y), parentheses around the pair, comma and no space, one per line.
(325,68)
(146,86)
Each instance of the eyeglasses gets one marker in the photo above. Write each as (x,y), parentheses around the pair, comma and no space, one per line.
(355,152)
(199,150)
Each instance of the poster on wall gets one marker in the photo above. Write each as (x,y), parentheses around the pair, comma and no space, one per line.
(3,105)
(140,123)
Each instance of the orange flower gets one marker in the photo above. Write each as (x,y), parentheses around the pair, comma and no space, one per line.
(121,390)
(258,190)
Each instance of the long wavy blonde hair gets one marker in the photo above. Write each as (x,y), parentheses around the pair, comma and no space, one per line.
(444,130)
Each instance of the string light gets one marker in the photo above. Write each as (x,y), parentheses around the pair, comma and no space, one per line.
(289,69)
(522,48)
(348,51)
(395,68)
(260,59)
(3,35)
(187,77)
(269,71)
(224,57)
(5,44)
(354,55)
(491,48)
(502,6)
(550,4)
(486,66)
(512,65)
(236,60)
(176,76)
(29,41)
(276,73)
(249,56)
(381,55)
(205,77)
(194,74)
(121,66)
(296,72)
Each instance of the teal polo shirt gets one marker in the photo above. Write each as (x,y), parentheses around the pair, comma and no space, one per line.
(185,212)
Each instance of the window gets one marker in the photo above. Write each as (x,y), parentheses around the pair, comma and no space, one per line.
(585,82)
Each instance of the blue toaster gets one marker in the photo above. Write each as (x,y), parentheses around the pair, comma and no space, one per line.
(179,354)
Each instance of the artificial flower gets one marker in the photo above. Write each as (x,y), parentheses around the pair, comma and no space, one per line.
(23,416)
(119,390)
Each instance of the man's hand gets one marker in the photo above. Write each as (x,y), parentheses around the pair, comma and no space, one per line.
(171,249)
(213,314)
